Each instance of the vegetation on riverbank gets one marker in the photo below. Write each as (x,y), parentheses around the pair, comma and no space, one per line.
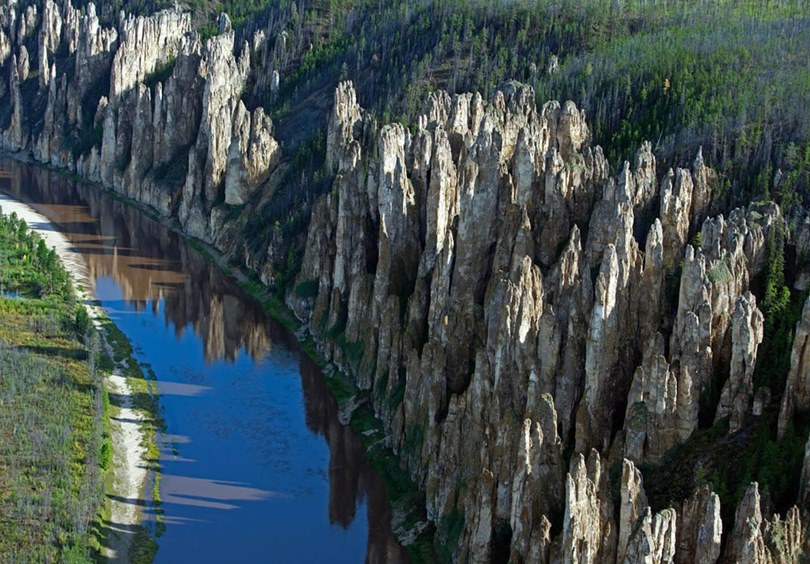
(56,452)
(55,449)
(142,382)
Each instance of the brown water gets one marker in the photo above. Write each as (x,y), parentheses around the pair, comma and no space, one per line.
(255,465)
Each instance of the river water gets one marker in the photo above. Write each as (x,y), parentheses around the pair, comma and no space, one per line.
(255,465)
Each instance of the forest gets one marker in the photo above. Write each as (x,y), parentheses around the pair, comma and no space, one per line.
(728,76)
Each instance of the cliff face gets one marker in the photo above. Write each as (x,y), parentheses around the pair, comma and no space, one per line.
(529,328)
(504,301)
(144,108)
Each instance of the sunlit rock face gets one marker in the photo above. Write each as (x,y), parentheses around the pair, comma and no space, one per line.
(494,337)
(169,128)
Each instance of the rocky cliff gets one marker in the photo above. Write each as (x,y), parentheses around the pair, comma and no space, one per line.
(533,330)
(504,301)
(144,107)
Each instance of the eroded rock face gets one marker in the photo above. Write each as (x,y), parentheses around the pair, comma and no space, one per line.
(760,541)
(224,76)
(535,489)
(15,137)
(700,528)
(633,506)
(252,155)
(653,406)
(653,538)
(5,47)
(146,43)
(95,46)
(448,182)
(167,145)
(738,392)
(588,530)
(483,316)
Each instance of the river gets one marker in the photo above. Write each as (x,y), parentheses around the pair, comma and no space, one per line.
(255,465)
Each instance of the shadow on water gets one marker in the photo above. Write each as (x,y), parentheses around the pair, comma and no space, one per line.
(255,462)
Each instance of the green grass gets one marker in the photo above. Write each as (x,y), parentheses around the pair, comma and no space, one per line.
(55,445)
(54,428)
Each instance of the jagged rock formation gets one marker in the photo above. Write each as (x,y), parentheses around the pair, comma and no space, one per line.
(755,539)
(253,153)
(499,297)
(450,248)
(588,530)
(145,44)
(746,327)
(183,145)
(700,529)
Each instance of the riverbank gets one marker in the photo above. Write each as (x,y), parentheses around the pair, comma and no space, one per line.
(407,500)
(132,429)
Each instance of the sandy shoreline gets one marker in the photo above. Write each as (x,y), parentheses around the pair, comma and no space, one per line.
(130,467)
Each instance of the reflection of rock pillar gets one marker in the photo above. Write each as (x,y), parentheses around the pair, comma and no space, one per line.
(343,473)
(215,345)
(351,477)
(321,413)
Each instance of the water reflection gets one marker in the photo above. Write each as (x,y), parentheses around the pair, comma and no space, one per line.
(245,475)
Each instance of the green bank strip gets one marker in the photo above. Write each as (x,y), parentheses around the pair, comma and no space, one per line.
(142,381)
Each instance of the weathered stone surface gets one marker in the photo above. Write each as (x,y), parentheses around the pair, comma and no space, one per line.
(5,47)
(15,137)
(804,482)
(23,64)
(536,490)
(601,355)
(746,544)
(746,335)
(50,32)
(178,105)
(145,44)
(676,203)
(633,505)
(588,531)
(252,155)
(700,528)
(225,77)
(704,182)
(446,246)
(653,538)
(651,420)
(345,116)
(94,50)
